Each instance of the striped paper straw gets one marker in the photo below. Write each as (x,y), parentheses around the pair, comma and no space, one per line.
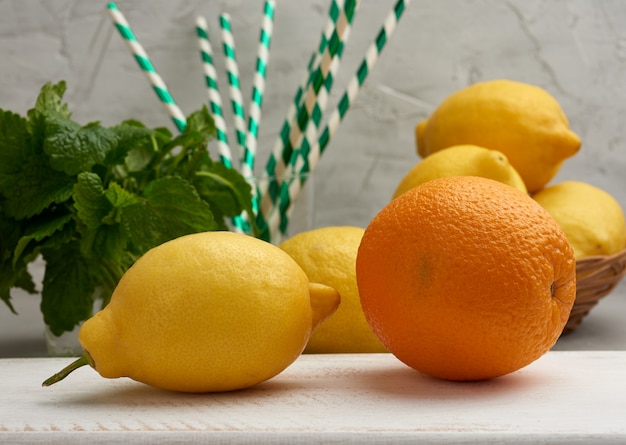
(311,110)
(215,101)
(275,162)
(282,150)
(308,161)
(258,89)
(143,60)
(321,81)
(354,86)
(278,219)
(234,85)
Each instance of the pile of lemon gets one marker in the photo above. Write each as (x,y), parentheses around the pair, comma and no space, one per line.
(518,134)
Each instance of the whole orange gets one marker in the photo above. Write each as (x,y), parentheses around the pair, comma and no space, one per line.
(466,278)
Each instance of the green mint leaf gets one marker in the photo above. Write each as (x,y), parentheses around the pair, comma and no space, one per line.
(103,241)
(179,206)
(27,182)
(58,239)
(171,208)
(73,148)
(7,281)
(224,189)
(34,187)
(14,148)
(89,200)
(201,121)
(40,228)
(182,151)
(107,245)
(9,236)
(50,98)
(67,295)
(14,278)
(174,154)
(184,140)
(163,134)
(10,278)
(135,146)
(119,199)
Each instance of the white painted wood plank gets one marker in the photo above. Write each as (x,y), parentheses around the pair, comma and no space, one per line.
(574,397)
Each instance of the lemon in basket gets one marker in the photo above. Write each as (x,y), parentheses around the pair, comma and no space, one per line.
(462,160)
(522,121)
(591,218)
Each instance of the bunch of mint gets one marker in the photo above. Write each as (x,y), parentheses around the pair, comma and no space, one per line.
(91,200)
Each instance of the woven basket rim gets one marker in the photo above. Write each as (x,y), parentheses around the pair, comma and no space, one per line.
(621,253)
(601,270)
(596,277)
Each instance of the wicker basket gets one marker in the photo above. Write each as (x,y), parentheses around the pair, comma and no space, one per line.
(596,277)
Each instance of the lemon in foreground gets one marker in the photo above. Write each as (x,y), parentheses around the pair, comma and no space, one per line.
(591,218)
(522,121)
(213,311)
(462,160)
(328,256)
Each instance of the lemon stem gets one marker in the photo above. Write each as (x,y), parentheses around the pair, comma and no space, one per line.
(82,361)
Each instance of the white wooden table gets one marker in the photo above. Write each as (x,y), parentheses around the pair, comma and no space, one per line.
(564,397)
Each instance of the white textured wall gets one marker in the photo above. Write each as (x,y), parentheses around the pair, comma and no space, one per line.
(574,49)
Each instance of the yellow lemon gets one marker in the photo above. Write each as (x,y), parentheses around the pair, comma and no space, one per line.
(520,120)
(462,160)
(328,256)
(212,311)
(590,217)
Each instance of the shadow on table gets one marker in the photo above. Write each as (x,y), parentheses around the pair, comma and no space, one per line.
(124,392)
(411,384)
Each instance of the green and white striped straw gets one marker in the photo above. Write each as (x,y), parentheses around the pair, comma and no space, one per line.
(275,162)
(258,89)
(354,85)
(308,161)
(271,187)
(234,84)
(143,60)
(282,149)
(311,110)
(215,101)
(306,136)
